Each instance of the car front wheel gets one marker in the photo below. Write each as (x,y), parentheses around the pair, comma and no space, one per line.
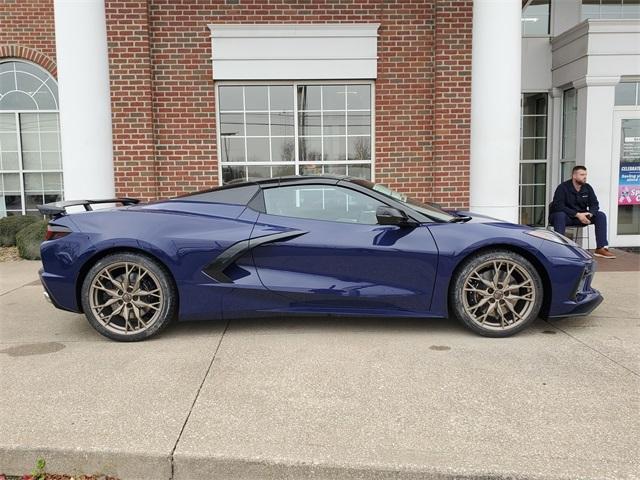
(496,293)
(128,297)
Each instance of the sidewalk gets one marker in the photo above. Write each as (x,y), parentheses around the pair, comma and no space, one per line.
(321,398)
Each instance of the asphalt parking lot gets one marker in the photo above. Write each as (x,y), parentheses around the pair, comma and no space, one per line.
(321,398)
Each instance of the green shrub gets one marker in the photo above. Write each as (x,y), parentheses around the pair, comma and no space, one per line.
(9,226)
(28,240)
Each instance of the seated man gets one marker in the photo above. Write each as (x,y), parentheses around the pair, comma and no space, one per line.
(575,203)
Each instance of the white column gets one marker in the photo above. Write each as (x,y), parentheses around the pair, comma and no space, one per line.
(85,101)
(594,139)
(495,108)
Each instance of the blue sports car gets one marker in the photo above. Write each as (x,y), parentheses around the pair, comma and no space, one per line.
(305,245)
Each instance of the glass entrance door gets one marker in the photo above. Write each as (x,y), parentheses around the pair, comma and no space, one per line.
(625,206)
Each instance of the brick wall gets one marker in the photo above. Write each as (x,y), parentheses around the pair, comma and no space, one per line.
(422,90)
(27,32)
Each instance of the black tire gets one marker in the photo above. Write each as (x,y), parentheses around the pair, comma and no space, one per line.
(496,311)
(112,280)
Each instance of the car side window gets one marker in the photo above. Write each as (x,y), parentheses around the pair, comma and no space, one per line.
(322,202)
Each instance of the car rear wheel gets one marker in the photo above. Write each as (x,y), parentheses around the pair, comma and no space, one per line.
(128,297)
(496,293)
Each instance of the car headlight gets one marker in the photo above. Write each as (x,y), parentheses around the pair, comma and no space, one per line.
(551,236)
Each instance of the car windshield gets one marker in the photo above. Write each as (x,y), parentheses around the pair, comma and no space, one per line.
(430,210)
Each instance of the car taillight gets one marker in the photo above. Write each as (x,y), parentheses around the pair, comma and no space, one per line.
(56,231)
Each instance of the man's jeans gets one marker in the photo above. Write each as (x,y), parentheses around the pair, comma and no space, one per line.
(561,221)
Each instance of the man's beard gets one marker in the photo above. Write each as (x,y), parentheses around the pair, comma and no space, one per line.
(580,181)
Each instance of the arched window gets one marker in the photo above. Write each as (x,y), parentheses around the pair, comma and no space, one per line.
(30,161)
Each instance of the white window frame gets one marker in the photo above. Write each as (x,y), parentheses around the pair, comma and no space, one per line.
(21,170)
(294,85)
(536,160)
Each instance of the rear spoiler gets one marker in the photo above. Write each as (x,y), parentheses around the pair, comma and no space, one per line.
(60,208)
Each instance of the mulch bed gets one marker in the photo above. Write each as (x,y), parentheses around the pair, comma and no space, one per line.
(9,254)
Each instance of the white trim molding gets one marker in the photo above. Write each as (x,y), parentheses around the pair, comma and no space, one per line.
(294,52)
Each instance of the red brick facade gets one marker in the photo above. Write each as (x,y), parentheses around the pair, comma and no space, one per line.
(162,86)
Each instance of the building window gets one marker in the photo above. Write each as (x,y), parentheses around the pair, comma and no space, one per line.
(536,17)
(610,9)
(569,128)
(295,129)
(30,160)
(533,159)
(627,93)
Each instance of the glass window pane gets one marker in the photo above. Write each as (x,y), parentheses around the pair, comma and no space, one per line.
(232,149)
(29,122)
(533,173)
(230,174)
(49,198)
(360,171)
(49,142)
(311,169)
(534,126)
(335,169)
(31,161)
(631,9)
(13,202)
(282,149)
(535,18)
(358,123)
(7,122)
(334,123)
(9,160)
(309,124)
(256,98)
(255,171)
(281,97)
(33,200)
(257,124)
(282,123)
(359,97)
(51,161)
(48,122)
(7,78)
(33,182)
(359,148)
(333,97)
(11,183)
(590,9)
(334,148)
(283,170)
(230,98)
(534,103)
(310,149)
(52,182)
(626,93)
(231,124)
(534,149)
(8,142)
(611,9)
(30,142)
(309,97)
(257,149)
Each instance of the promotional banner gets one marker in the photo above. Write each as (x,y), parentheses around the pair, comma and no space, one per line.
(629,178)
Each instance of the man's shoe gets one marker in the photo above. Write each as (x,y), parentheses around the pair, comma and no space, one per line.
(603,253)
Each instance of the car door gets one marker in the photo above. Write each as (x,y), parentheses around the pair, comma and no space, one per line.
(333,256)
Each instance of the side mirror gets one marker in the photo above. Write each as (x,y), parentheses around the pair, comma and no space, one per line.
(393,216)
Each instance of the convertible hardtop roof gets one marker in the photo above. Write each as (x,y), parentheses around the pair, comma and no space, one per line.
(290,180)
(241,193)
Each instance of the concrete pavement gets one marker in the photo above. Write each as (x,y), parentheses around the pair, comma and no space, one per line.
(321,398)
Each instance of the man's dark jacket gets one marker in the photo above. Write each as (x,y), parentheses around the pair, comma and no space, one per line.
(568,200)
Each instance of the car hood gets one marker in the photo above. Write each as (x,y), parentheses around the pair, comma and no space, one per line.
(480,218)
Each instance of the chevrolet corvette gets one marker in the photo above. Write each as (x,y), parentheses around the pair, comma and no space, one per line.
(318,245)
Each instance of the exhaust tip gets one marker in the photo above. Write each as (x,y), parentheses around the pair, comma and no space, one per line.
(46,297)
